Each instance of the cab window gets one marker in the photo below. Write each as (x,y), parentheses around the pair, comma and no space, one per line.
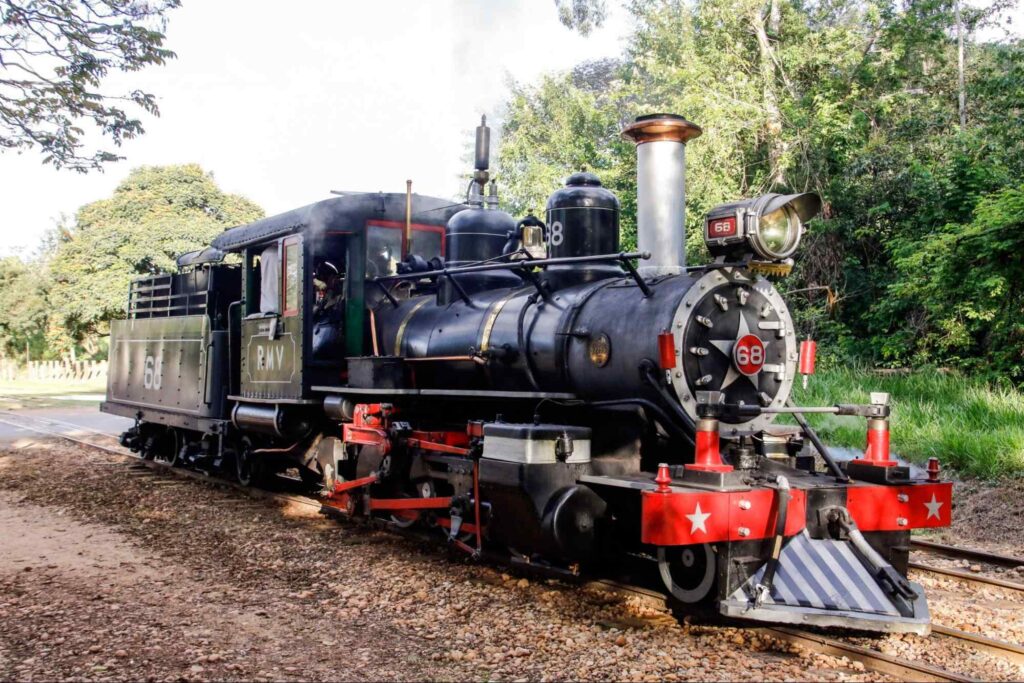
(383,250)
(385,245)
(290,275)
(427,243)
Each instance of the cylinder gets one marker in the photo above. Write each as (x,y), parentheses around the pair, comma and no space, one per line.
(263,419)
(807,352)
(667,350)
(661,189)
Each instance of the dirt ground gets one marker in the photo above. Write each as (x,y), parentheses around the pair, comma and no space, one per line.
(112,573)
(988,515)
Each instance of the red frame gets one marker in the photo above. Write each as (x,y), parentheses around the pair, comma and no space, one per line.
(667,518)
(285,311)
(422,227)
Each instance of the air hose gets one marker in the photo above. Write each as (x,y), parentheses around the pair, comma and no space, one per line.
(763,589)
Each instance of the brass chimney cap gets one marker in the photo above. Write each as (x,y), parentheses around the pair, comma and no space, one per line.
(657,127)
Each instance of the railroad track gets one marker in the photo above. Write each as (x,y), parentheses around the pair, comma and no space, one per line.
(969,577)
(966,553)
(872,659)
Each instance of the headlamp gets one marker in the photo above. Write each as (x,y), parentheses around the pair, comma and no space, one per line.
(768,227)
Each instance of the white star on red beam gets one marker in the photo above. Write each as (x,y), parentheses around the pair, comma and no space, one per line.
(933,508)
(697,520)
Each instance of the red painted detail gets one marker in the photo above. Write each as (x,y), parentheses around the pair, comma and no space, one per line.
(343,502)
(469,550)
(761,516)
(748,354)
(933,469)
(410,503)
(369,425)
(663,478)
(707,457)
(365,436)
(721,227)
(342,486)
(372,414)
(877,450)
(438,447)
(667,350)
(918,506)
(475,428)
(455,443)
(808,351)
(682,517)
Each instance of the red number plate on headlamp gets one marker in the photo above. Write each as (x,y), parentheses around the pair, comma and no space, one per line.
(721,227)
(748,354)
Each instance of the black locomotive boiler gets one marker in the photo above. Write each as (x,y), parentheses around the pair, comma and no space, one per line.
(527,388)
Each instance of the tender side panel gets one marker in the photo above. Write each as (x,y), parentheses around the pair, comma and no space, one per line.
(162,363)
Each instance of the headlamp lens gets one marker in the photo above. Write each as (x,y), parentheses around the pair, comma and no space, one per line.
(779,231)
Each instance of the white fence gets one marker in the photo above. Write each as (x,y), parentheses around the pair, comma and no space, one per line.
(54,370)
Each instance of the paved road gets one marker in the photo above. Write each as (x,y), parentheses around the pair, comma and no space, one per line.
(74,420)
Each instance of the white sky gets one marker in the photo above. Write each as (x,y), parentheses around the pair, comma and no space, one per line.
(283,102)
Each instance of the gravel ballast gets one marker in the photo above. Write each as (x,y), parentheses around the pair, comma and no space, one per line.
(119,574)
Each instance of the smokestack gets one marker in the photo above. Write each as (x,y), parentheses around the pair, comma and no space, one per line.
(661,189)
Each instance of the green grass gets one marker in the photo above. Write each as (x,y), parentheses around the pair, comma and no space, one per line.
(971,426)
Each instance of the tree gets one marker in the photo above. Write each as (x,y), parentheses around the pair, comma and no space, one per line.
(55,55)
(23,308)
(582,16)
(858,101)
(982,326)
(154,215)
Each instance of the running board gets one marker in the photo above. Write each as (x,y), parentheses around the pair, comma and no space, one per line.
(826,583)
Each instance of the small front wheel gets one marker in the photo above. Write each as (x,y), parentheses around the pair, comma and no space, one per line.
(688,572)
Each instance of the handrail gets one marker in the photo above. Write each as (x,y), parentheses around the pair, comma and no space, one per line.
(517,265)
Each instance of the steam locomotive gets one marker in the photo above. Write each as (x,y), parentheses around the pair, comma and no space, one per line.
(527,388)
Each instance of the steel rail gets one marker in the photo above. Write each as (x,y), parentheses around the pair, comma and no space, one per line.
(906,669)
(1001,648)
(872,659)
(969,577)
(972,553)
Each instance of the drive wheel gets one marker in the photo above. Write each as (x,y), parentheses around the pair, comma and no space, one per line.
(248,469)
(423,489)
(688,572)
(167,447)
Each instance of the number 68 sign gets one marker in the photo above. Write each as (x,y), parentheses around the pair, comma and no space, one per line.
(153,373)
(748,354)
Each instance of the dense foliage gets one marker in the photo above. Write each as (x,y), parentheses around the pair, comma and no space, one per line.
(156,214)
(919,239)
(55,55)
(23,309)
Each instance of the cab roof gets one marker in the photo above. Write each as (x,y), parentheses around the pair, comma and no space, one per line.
(349,212)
